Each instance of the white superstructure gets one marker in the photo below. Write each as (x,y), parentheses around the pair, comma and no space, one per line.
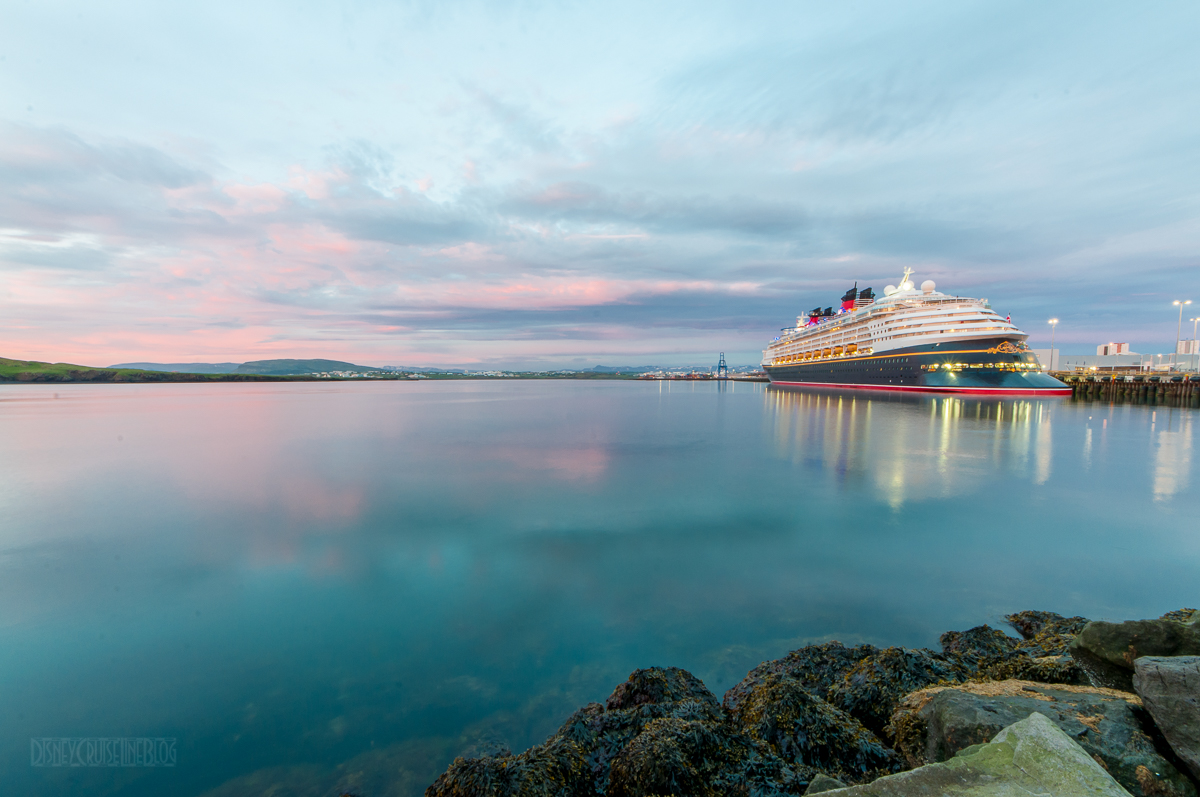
(904,317)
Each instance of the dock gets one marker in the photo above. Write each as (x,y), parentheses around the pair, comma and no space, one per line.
(1172,389)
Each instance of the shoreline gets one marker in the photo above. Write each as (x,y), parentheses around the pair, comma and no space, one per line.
(882,721)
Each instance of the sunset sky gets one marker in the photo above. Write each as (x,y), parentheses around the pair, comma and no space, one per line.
(571,184)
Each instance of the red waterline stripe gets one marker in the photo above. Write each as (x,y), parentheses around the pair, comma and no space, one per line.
(978,391)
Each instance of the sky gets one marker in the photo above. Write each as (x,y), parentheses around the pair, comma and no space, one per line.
(519,184)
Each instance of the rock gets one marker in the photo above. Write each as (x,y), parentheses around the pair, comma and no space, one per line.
(935,724)
(648,743)
(978,647)
(1182,616)
(1170,688)
(667,757)
(1032,624)
(805,730)
(816,667)
(554,769)
(673,756)
(822,783)
(1042,654)
(659,685)
(603,734)
(873,688)
(1029,757)
(1107,651)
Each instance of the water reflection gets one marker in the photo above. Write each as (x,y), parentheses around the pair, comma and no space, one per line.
(912,448)
(352,573)
(1173,454)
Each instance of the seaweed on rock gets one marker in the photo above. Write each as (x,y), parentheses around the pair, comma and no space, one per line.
(674,756)
(1041,655)
(819,709)
(602,733)
(874,687)
(978,648)
(804,729)
(816,667)
(1033,624)
(659,685)
(554,769)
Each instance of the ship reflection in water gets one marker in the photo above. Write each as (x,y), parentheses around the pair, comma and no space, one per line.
(909,447)
(304,582)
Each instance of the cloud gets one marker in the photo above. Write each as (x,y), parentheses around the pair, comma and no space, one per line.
(425,184)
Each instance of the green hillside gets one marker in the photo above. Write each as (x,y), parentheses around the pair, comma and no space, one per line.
(34,371)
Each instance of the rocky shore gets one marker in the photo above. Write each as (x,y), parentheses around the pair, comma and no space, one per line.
(1071,707)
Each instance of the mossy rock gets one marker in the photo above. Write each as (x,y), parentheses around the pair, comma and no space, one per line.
(1107,651)
(1030,757)
(806,730)
(816,667)
(680,757)
(873,688)
(602,733)
(935,724)
(557,768)
(978,648)
(656,685)
(1032,624)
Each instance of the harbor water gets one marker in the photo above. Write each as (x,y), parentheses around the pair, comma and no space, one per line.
(318,586)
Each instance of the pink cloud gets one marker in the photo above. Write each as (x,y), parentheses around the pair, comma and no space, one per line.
(178,266)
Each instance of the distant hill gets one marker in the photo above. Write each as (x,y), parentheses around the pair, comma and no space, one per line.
(35,371)
(625,369)
(183,368)
(293,367)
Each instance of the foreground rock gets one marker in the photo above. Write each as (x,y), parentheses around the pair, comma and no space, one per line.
(806,731)
(819,717)
(823,783)
(660,732)
(934,724)
(865,682)
(1030,757)
(1107,651)
(1170,688)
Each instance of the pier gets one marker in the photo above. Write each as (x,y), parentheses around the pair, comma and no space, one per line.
(1172,389)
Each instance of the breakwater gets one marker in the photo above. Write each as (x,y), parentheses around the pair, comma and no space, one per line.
(883,721)
(1171,390)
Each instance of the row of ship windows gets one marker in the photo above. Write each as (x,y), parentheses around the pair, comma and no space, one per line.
(939,331)
(937,321)
(922,329)
(817,354)
(969,366)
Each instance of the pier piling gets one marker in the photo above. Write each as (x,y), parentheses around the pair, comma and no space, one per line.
(1170,389)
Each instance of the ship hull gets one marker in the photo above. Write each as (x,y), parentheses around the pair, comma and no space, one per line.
(986,370)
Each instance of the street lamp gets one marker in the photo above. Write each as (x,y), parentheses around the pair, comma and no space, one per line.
(1178,329)
(1195,344)
(1053,322)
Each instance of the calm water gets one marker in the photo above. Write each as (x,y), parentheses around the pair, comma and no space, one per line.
(320,585)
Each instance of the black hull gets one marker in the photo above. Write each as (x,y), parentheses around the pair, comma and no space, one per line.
(989,366)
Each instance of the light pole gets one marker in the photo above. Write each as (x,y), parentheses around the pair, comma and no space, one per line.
(1178,329)
(1195,344)
(1053,322)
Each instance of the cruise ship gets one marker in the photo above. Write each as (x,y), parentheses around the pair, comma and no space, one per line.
(909,339)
